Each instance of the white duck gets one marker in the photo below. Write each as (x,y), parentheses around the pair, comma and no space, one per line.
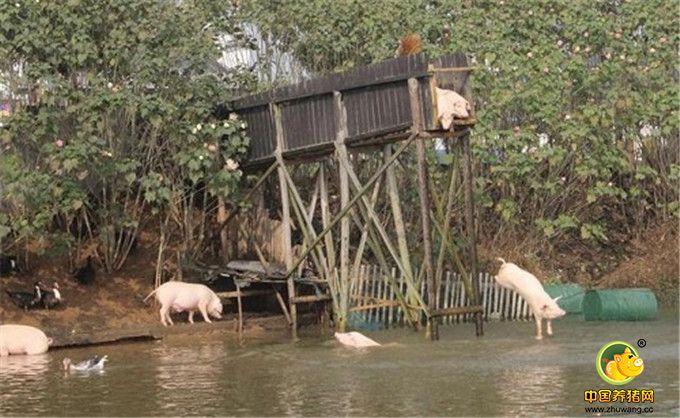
(95,363)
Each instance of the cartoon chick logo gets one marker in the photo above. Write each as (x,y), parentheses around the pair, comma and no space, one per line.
(618,363)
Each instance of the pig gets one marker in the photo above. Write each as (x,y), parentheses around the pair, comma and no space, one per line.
(187,297)
(355,339)
(22,339)
(527,285)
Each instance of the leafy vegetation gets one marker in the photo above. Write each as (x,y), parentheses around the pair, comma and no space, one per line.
(115,122)
(576,144)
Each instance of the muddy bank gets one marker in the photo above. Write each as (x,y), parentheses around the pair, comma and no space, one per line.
(253,327)
(113,309)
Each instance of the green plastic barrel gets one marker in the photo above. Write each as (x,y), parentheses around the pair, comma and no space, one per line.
(570,296)
(620,305)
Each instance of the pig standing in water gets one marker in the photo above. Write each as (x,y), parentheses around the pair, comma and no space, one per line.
(22,339)
(530,289)
(187,297)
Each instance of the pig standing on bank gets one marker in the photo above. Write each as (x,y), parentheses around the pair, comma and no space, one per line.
(530,289)
(187,297)
(22,339)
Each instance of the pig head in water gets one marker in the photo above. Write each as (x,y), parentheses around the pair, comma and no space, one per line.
(22,339)
(187,297)
(530,289)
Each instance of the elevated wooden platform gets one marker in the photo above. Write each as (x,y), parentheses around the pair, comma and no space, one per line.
(376,99)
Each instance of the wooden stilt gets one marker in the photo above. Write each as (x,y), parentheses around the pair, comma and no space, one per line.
(470,226)
(393,191)
(282,304)
(285,221)
(368,213)
(352,202)
(414,97)
(240,310)
(341,135)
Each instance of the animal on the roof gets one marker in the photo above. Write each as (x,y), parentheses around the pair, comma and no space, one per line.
(409,44)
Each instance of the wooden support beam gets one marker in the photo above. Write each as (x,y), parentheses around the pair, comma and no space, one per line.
(285,221)
(445,230)
(351,203)
(326,216)
(240,310)
(381,304)
(305,225)
(243,293)
(475,309)
(414,98)
(364,228)
(340,137)
(470,227)
(368,213)
(282,304)
(315,195)
(311,298)
(395,201)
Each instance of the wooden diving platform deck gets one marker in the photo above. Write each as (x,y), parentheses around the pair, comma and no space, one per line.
(376,99)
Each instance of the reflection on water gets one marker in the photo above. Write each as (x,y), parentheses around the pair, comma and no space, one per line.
(23,377)
(522,389)
(506,372)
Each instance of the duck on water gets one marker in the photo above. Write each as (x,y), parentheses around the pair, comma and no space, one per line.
(95,363)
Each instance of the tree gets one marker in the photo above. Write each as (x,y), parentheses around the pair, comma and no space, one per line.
(115,120)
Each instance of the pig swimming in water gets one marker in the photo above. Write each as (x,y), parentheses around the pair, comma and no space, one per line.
(355,339)
(530,289)
(187,297)
(22,339)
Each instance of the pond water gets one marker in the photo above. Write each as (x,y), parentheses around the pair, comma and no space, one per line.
(506,372)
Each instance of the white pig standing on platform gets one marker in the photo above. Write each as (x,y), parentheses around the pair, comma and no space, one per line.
(187,297)
(22,339)
(530,289)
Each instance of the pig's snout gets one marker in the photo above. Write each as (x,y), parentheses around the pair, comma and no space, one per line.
(638,362)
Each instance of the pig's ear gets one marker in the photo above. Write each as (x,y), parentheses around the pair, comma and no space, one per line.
(558,298)
(617,357)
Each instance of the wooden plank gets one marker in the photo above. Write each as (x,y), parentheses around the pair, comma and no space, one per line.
(397,216)
(283,306)
(285,221)
(384,72)
(341,135)
(424,205)
(373,306)
(311,298)
(244,293)
(458,310)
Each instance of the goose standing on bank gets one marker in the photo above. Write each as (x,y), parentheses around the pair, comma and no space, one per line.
(95,363)
(50,298)
(26,300)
